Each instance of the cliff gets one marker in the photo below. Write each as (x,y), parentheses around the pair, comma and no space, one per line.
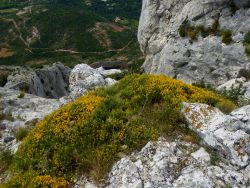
(196,40)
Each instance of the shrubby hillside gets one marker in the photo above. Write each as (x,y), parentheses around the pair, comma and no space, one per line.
(86,136)
(41,32)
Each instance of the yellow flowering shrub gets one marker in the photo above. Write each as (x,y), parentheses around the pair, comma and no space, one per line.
(30,179)
(48,181)
(88,135)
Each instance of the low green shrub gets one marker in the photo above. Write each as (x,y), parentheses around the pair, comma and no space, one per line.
(182,31)
(248,49)
(247,43)
(86,136)
(215,27)
(21,95)
(6,116)
(185,30)
(24,88)
(244,73)
(192,33)
(203,31)
(226,36)
(247,38)
(21,133)
(3,79)
(6,158)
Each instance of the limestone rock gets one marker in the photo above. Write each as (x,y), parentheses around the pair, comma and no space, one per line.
(84,78)
(201,155)
(228,134)
(108,72)
(50,81)
(173,165)
(20,112)
(206,58)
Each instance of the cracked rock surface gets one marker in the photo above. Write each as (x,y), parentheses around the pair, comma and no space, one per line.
(207,58)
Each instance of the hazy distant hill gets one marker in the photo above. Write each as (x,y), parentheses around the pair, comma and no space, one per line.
(40,31)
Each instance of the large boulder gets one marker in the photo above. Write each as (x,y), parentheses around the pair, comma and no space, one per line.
(84,78)
(206,58)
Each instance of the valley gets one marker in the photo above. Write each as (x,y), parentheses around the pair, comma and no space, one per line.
(71,32)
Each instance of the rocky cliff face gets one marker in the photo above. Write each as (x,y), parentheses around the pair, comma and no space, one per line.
(49,82)
(194,40)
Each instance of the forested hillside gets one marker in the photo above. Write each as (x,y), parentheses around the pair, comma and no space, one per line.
(41,32)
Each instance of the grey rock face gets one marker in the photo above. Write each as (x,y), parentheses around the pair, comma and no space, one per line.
(206,59)
(228,134)
(238,84)
(49,82)
(174,165)
(55,80)
(19,112)
(84,78)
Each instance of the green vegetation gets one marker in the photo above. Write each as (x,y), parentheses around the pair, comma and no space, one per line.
(247,43)
(182,31)
(244,73)
(124,9)
(185,30)
(22,94)
(65,33)
(87,135)
(21,133)
(3,79)
(232,94)
(226,36)
(6,116)
(214,157)
(6,158)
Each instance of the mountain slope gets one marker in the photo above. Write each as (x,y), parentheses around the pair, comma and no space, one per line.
(86,136)
(70,31)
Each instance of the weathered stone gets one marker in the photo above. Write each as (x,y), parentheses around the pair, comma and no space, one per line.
(108,72)
(226,133)
(22,111)
(205,59)
(201,155)
(8,139)
(167,164)
(84,78)
(49,82)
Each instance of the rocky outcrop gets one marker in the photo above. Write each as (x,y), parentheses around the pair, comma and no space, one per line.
(19,109)
(17,112)
(239,85)
(228,134)
(206,58)
(174,165)
(49,82)
(84,78)
(58,81)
